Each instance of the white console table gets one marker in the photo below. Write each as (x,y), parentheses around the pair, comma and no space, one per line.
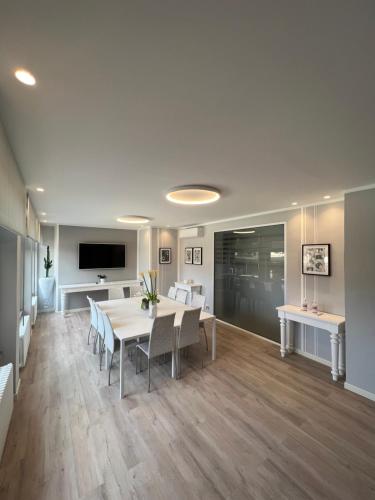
(333,323)
(65,290)
(191,289)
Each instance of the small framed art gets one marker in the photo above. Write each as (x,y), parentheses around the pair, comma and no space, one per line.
(197,256)
(165,256)
(188,255)
(316,259)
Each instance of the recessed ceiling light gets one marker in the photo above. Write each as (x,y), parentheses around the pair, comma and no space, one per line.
(294,203)
(243,232)
(327,197)
(43,213)
(43,221)
(40,189)
(193,195)
(25,77)
(133,219)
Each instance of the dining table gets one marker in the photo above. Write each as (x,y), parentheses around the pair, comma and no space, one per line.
(131,322)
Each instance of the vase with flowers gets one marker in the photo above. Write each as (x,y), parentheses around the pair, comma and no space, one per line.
(150,279)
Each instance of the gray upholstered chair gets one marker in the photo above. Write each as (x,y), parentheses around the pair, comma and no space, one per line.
(200,301)
(181,295)
(161,341)
(189,334)
(172,292)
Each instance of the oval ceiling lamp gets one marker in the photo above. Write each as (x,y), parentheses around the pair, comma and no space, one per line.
(193,195)
(25,77)
(133,219)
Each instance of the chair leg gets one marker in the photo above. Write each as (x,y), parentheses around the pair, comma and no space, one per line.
(88,336)
(95,343)
(109,371)
(101,350)
(202,353)
(149,377)
(205,336)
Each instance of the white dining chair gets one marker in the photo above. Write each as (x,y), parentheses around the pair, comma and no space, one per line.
(93,318)
(200,301)
(115,293)
(100,335)
(172,292)
(136,291)
(111,343)
(161,341)
(188,334)
(181,296)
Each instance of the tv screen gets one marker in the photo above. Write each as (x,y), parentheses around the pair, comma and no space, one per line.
(101,255)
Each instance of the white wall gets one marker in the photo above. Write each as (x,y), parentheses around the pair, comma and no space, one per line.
(322,224)
(12,189)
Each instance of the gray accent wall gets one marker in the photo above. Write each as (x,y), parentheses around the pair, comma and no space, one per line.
(360,290)
(68,271)
(321,224)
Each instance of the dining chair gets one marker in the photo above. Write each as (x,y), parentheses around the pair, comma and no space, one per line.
(136,291)
(200,301)
(100,335)
(188,334)
(172,292)
(93,318)
(181,296)
(115,293)
(110,341)
(161,341)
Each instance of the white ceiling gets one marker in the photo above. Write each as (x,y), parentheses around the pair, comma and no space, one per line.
(271,102)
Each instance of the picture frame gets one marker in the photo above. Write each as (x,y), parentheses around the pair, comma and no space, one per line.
(316,259)
(165,255)
(197,256)
(188,255)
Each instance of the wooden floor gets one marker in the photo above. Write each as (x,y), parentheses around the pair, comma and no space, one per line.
(246,426)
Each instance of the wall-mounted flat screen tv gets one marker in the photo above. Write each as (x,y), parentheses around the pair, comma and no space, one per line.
(101,255)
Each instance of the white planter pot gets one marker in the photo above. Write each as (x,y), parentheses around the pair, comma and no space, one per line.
(46,287)
(102,280)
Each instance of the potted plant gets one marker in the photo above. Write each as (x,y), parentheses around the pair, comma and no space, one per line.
(150,301)
(46,283)
(102,278)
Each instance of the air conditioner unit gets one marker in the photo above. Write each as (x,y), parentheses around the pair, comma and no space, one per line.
(191,232)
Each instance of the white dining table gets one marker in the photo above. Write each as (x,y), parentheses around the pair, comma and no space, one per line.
(130,322)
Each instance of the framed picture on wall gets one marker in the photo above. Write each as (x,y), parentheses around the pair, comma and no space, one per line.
(197,256)
(316,259)
(188,255)
(165,256)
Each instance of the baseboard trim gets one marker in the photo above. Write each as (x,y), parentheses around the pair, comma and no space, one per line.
(78,309)
(358,390)
(313,357)
(247,331)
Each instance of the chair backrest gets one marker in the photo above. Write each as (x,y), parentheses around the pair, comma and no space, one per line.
(172,292)
(181,295)
(109,336)
(100,328)
(162,335)
(198,301)
(189,329)
(93,313)
(115,293)
(136,291)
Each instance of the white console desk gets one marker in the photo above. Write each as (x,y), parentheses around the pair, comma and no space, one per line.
(191,289)
(333,323)
(65,290)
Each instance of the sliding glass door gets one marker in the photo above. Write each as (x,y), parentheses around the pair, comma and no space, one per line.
(249,278)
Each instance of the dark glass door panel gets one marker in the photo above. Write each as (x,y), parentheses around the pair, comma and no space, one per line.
(249,278)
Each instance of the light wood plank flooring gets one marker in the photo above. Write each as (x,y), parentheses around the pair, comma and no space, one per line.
(248,426)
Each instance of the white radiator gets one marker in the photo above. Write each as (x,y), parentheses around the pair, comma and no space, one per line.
(6,402)
(25,333)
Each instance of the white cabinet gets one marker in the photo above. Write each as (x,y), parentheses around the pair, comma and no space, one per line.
(191,288)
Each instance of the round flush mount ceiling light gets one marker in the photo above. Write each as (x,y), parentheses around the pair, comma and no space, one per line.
(193,195)
(25,77)
(133,219)
(243,232)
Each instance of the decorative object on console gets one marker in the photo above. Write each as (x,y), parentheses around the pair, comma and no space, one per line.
(316,259)
(165,255)
(188,255)
(102,278)
(315,307)
(304,305)
(197,256)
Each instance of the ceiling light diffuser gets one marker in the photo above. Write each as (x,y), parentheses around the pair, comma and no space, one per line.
(327,197)
(294,203)
(40,189)
(243,232)
(133,219)
(25,77)
(193,195)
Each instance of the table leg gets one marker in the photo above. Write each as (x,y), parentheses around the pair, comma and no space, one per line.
(173,374)
(63,303)
(282,337)
(335,355)
(290,336)
(213,340)
(122,369)
(341,354)
(106,362)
